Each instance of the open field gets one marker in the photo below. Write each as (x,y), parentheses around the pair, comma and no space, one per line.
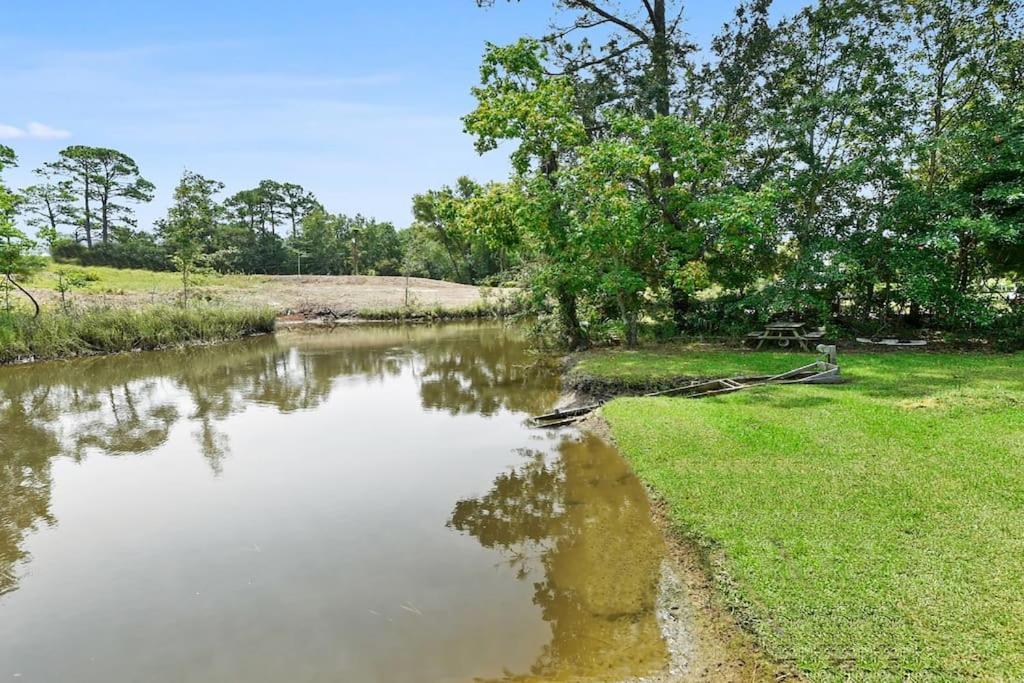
(338,295)
(872,530)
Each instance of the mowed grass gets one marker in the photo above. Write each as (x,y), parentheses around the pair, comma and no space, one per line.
(104,280)
(670,361)
(866,531)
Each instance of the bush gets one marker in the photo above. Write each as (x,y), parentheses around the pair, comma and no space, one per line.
(139,252)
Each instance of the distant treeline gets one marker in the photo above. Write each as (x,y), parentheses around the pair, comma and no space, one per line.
(82,211)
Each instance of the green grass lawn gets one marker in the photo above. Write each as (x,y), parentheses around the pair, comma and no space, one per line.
(104,280)
(872,530)
(685,360)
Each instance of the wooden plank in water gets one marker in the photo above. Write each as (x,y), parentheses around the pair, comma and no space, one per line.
(549,424)
(568,412)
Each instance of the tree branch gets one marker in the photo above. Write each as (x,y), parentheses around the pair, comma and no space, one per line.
(650,12)
(25,292)
(578,66)
(675,22)
(601,12)
(560,33)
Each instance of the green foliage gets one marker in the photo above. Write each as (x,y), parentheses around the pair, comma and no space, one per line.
(455,237)
(16,249)
(69,279)
(106,180)
(324,244)
(517,100)
(858,163)
(376,247)
(140,250)
(190,225)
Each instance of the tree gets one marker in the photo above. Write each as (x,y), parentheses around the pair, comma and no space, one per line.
(252,236)
(79,165)
(517,100)
(653,29)
(422,255)
(271,204)
(105,178)
(190,224)
(323,240)
(642,237)
(376,247)
(965,82)
(824,114)
(439,212)
(67,280)
(245,207)
(16,257)
(298,203)
(49,206)
(118,180)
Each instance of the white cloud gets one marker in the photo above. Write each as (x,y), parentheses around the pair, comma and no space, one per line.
(45,132)
(10,132)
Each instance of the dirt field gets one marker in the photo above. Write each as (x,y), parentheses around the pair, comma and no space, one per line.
(301,296)
(348,294)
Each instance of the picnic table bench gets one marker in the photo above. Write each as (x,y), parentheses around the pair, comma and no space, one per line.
(785,333)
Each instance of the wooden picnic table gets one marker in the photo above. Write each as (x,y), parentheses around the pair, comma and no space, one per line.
(785,333)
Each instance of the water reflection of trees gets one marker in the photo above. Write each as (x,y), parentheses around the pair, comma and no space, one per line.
(24,478)
(129,405)
(482,372)
(579,526)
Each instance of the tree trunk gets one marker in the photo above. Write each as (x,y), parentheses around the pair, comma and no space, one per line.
(575,338)
(680,306)
(443,236)
(88,215)
(51,215)
(914,318)
(26,293)
(661,68)
(886,302)
(105,218)
(629,322)
(963,263)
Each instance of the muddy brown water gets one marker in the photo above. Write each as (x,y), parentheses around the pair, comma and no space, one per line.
(364,504)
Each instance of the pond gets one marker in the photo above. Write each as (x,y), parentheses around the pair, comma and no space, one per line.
(362,504)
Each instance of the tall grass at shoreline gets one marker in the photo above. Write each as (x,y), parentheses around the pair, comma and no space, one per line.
(481,309)
(102,329)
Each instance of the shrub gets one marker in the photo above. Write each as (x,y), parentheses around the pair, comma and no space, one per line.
(139,252)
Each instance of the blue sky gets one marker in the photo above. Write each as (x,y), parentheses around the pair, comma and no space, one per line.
(358,101)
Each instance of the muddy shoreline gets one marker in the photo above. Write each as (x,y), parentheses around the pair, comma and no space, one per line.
(705,640)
